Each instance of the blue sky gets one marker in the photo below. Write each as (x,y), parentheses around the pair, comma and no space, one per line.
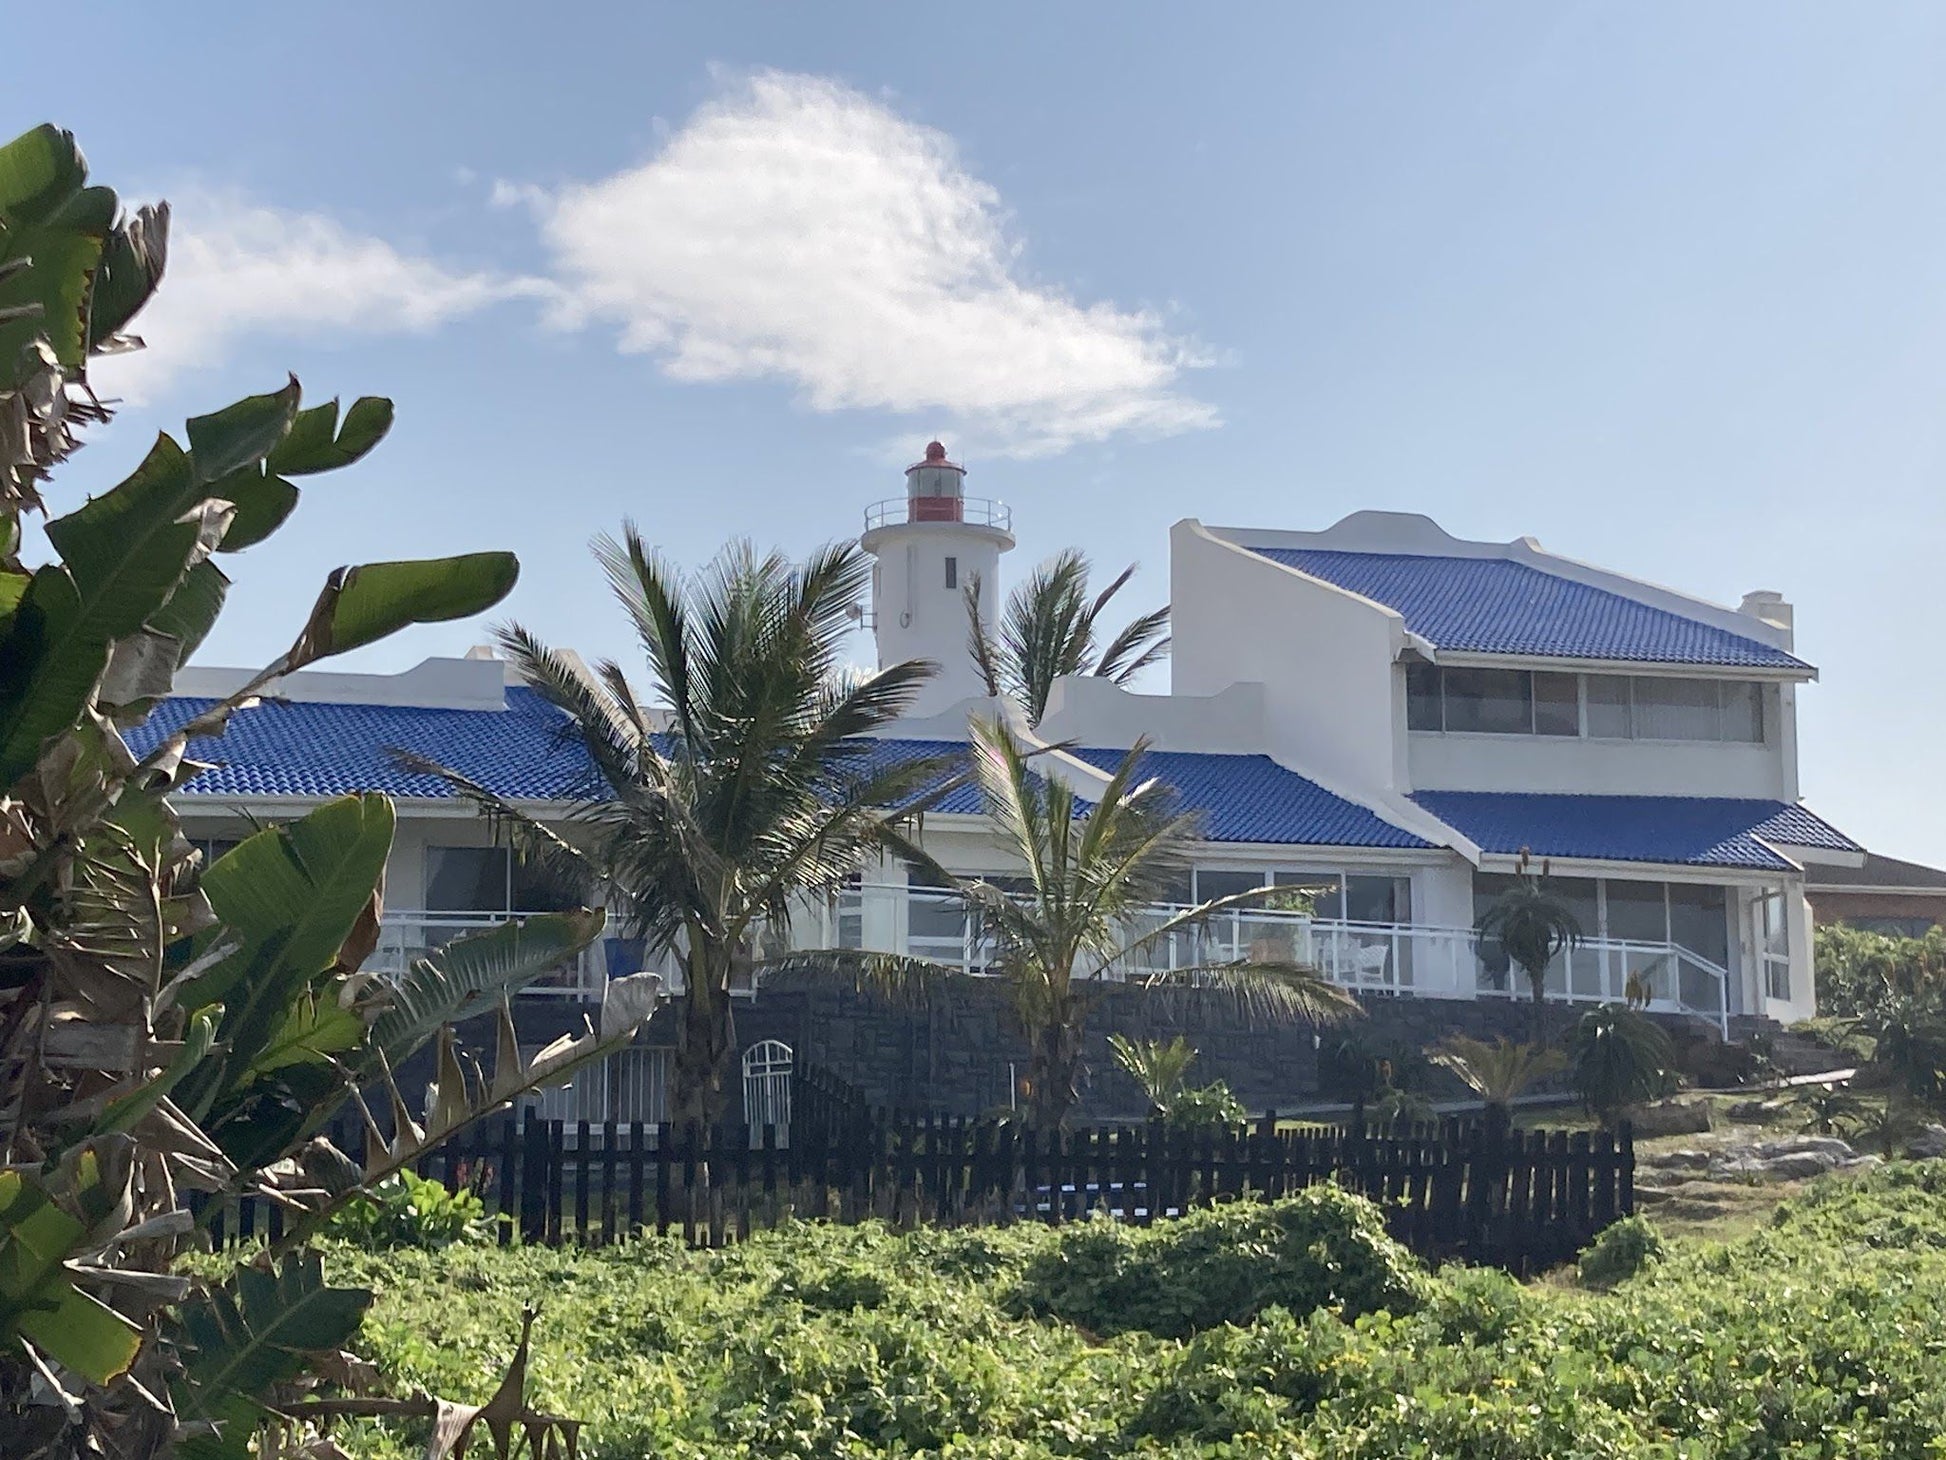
(1659,285)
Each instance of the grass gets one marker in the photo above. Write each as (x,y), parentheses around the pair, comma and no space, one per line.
(1814,1332)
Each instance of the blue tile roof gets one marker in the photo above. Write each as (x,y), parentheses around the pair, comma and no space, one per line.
(1496,606)
(525,752)
(1251,798)
(305,748)
(1688,831)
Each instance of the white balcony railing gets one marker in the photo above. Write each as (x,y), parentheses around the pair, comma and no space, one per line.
(1401,959)
(407,935)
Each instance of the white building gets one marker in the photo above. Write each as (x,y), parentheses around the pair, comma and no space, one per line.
(1378,710)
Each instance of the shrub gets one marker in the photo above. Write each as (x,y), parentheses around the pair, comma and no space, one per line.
(1618,1058)
(1205,1108)
(1322,1248)
(1622,1250)
(408,1211)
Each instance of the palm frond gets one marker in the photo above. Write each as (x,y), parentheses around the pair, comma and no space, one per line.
(1279,993)
(894,977)
(979,638)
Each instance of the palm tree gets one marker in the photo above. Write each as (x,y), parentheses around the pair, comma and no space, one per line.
(1162,1070)
(1619,1058)
(1074,918)
(1531,925)
(1048,629)
(738,796)
(1496,1072)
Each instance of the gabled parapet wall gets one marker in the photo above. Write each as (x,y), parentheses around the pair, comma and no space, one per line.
(1325,658)
(472,683)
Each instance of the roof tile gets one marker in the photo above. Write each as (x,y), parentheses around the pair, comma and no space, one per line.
(1496,606)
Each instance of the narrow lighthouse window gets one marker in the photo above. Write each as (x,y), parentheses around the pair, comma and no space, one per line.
(952,572)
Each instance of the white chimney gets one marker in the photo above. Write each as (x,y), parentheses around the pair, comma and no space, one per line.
(1769,606)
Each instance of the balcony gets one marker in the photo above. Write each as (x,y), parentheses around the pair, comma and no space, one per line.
(1400,960)
(968,511)
(407,935)
(1406,960)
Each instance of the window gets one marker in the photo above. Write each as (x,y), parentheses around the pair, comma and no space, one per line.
(1557,704)
(1609,709)
(467,879)
(1743,712)
(1773,933)
(212,847)
(490,880)
(1212,885)
(952,572)
(1489,701)
(1675,709)
(1598,706)
(1422,697)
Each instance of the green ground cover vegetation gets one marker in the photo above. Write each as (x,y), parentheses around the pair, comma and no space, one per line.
(1294,1329)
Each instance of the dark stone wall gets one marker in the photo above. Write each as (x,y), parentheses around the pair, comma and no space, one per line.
(953,1054)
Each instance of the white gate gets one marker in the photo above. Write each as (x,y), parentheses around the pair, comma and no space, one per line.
(767,1089)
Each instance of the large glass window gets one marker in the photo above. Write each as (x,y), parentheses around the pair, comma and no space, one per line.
(1376,899)
(1326,890)
(1609,714)
(467,879)
(1599,706)
(1743,711)
(1422,697)
(491,880)
(1676,709)
(1557,704)
(1638,911)
(1489,701)
(1699,921)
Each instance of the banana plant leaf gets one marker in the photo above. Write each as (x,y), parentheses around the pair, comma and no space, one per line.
(38,1299)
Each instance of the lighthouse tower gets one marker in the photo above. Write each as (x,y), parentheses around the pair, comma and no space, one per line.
(928,546)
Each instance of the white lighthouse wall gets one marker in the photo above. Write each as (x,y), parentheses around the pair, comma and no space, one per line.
(918,614)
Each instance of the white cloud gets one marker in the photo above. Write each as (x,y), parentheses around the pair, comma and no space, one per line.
(795,229)
(239,268)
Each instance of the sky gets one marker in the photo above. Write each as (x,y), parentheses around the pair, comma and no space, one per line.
(1661,285)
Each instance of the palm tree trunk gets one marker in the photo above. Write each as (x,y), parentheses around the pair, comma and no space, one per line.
(1053,1071)
(1537,977)
(705,1049)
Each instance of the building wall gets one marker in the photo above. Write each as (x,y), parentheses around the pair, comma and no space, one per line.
(1333,705)
(1460,762)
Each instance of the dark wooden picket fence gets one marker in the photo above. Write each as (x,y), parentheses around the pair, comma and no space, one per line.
(1522,1200)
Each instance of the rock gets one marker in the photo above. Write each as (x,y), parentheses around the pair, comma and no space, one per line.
(1929,1143)
(1798,1166)
(1759,1112)
(1686,1159)
(1671,1118)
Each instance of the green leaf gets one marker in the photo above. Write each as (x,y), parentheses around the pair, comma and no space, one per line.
(241,435)
(48,215)
(314,443)
(257,1330)
(262,504)
(38,1298)
(471,975)
(289,896)
(362,605)
(123,555)
(191,610)
(317,443)
(131,267)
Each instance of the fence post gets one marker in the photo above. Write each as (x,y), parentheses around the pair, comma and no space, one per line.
(1626,1132)
(533,1179)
